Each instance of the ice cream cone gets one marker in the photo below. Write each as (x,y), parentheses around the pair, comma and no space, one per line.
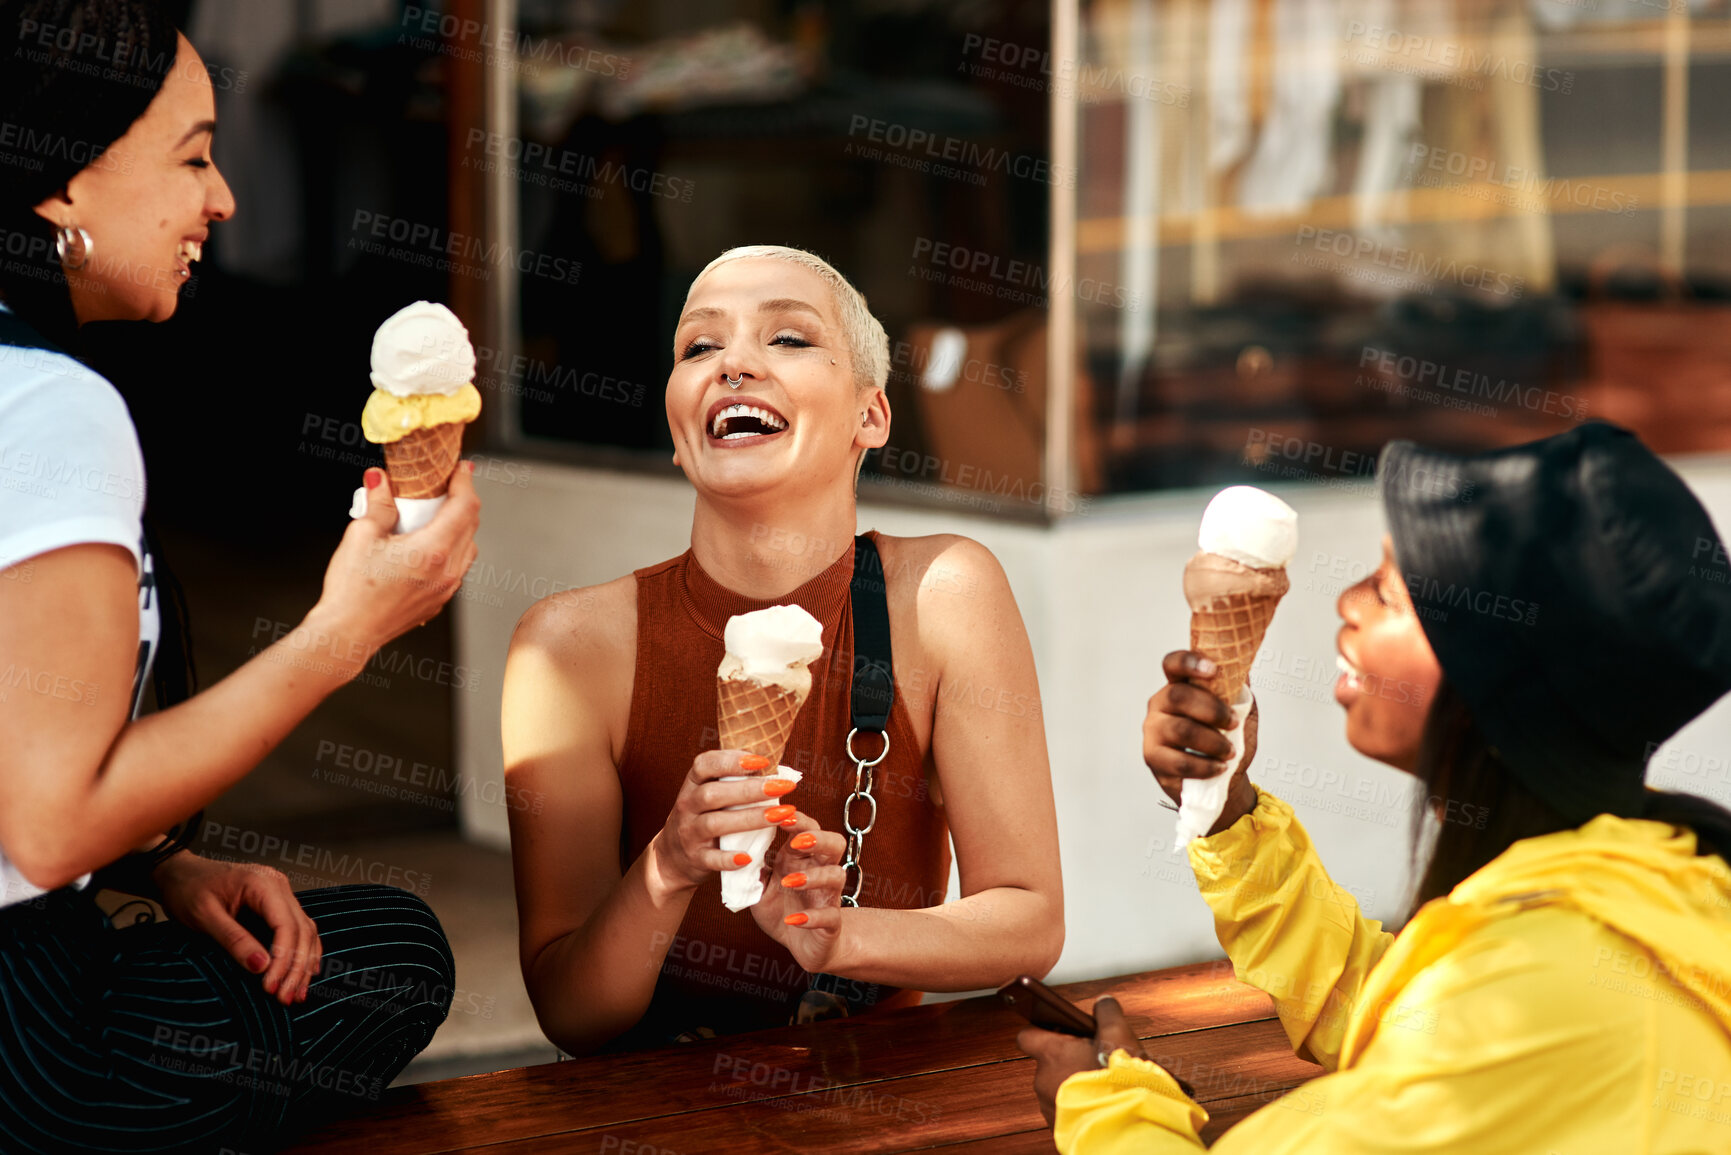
(754,716)
(1229,629)
(760,685)
(421,463)
(1232,585)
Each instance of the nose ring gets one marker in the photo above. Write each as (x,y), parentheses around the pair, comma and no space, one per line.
(734,382)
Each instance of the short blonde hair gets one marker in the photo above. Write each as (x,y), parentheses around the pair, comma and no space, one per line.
(868,344)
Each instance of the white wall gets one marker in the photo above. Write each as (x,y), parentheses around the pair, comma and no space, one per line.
(1101,597)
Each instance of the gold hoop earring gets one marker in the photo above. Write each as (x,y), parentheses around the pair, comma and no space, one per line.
(73,246)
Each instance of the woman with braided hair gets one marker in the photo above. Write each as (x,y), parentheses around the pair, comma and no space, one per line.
(255,1006)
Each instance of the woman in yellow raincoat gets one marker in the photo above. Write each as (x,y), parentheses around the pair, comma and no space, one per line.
(1543,618)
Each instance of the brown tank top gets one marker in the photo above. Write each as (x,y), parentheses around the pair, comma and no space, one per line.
(722,974)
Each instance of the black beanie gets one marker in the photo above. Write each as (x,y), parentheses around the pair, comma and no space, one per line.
(74,76)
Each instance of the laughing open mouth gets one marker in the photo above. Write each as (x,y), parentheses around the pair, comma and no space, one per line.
(736,421)
(1353,675)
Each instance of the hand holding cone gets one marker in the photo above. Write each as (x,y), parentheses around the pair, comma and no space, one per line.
(424,395)
(1233,586)
(760,686)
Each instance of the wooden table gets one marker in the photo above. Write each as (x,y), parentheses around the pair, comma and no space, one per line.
(946,1075)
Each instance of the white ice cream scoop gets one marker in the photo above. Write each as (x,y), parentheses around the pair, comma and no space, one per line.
(772,646)
(1251,526)
(422,348)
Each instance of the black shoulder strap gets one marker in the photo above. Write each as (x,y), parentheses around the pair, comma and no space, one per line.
(874,687)
(874,691)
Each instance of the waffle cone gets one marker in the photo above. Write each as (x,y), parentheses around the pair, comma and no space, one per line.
(755,717)
(1230,629)
(421,463)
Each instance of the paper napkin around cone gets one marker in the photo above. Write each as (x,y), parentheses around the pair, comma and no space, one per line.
(1204,798)
(743,886)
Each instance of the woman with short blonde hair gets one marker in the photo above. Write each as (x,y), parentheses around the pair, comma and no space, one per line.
(775,395)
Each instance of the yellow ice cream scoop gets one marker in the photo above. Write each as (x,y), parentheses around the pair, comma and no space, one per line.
(388,417)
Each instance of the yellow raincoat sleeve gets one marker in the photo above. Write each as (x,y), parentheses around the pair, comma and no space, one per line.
(1527,1013)
(1288,929)
(1132,1106)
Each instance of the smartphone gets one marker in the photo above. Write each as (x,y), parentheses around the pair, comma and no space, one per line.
(1046,1009)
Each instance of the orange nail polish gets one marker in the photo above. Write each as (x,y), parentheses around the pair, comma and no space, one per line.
(789,824)
(804,841)
(779,813)
(795,879)
(799,919)
(742,860)
(754,762)
(776,787)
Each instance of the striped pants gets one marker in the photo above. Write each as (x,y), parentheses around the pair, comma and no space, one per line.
(152,1039)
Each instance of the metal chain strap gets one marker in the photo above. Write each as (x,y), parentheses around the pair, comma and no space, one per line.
(853,874)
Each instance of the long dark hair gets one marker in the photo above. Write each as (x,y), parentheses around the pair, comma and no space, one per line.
(1482,809)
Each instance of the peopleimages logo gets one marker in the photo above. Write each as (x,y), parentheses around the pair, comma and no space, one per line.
(1414,52)
(1263,445)
(1429,594)
(324,862)
(938,149)
(1421,372)
(1417,269)
(1022,281)
(436,247)
(563,170)
(30,149)
(123,60)
(1514,186)
(905,463)
(1024,66)
(502,47)
(910,362)
(43,475)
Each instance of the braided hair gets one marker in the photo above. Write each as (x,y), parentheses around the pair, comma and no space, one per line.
(77,74)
